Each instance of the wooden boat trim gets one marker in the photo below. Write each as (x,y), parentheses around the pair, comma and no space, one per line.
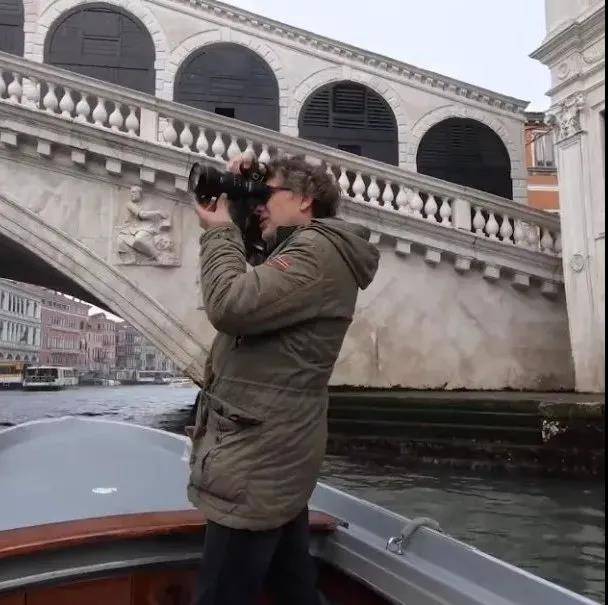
(69,534)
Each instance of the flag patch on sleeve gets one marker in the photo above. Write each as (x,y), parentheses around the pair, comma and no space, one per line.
(281,262)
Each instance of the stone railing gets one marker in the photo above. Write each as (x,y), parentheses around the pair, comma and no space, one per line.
(434,209)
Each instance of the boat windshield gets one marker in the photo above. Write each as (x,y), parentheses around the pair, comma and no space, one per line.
(50,373)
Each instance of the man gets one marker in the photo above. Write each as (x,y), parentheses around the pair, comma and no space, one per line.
(261,427)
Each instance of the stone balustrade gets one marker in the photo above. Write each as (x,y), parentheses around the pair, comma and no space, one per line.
(409,207)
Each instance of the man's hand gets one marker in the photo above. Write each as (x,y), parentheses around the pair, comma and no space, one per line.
(245,160)
(215,214)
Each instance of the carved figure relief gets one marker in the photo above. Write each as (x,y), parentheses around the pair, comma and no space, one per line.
(146,237)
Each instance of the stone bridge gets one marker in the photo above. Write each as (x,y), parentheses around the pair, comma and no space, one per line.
(470,288)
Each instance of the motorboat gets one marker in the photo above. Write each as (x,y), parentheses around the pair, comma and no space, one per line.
(94,512)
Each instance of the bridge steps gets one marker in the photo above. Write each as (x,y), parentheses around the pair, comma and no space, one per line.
(492,432)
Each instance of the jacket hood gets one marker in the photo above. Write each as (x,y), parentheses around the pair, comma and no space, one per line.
(352,242)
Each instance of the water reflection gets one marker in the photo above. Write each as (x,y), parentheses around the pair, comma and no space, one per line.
(553,528)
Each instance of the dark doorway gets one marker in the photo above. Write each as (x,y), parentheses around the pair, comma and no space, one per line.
(232,81)
(11,27)
(466,152)
(103,42)
(353,118)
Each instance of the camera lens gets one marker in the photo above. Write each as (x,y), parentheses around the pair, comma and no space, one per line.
(208,182)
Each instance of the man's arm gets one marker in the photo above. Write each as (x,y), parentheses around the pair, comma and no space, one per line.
(283,291)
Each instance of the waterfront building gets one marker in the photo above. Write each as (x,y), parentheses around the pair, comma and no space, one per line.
(135,352)
(20,322)
(101,345)
(64,330)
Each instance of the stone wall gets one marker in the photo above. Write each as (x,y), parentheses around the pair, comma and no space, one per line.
(420,325)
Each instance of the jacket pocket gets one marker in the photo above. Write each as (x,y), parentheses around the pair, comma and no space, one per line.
(227,454)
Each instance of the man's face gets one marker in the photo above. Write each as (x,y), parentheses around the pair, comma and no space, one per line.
(283,209)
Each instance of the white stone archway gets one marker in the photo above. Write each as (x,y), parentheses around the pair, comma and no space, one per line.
(213,36)
(36,32)
(332,75)
(75,261)
(439,114)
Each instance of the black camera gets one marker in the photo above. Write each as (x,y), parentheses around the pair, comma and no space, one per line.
(246,189)
(245,192)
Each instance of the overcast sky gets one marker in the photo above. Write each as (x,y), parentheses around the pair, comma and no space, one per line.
(483,42)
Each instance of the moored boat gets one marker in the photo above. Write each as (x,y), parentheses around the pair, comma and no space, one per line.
(49,377)
(95,512)
(133,377)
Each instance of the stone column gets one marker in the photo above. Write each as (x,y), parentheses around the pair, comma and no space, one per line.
(579,256)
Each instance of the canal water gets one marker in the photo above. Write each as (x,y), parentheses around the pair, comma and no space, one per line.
(551,527)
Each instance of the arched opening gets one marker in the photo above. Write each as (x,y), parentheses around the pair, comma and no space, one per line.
(466,152)
(353,118)
(104,42)
(59,262)
(11,27)
(230,80)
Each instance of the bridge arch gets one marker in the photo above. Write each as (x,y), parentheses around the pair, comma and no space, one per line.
(206,39)
(26,236)
(334,75)
(232,80)
(352,117)
(453,111)
(55,12)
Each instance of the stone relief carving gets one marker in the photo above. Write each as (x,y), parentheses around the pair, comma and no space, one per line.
(577,263)
(594,53)
(566,116)
(563,70)
(147,236)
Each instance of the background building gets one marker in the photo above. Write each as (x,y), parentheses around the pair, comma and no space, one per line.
(20,326)
(64,328)
(101,345)
(128,347)
(135,352)
(543,186)
(575,52)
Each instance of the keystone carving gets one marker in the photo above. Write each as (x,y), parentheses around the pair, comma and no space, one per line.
(566,116)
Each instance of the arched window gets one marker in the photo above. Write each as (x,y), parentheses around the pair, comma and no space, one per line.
(230,80)
(104,42)
(11,27)
(353,118)
(466,152)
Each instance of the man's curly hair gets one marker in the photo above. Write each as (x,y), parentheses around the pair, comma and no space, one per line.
(310,181)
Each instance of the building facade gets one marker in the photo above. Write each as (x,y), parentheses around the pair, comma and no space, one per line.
(20,322)
(64,329)
(101,345)
(135,352)
(225,60)
(128,347)
(574,51)
(543,184)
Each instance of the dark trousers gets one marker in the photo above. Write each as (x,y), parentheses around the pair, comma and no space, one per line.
(238,565)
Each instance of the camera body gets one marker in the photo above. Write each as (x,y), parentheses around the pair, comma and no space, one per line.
(245,192)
